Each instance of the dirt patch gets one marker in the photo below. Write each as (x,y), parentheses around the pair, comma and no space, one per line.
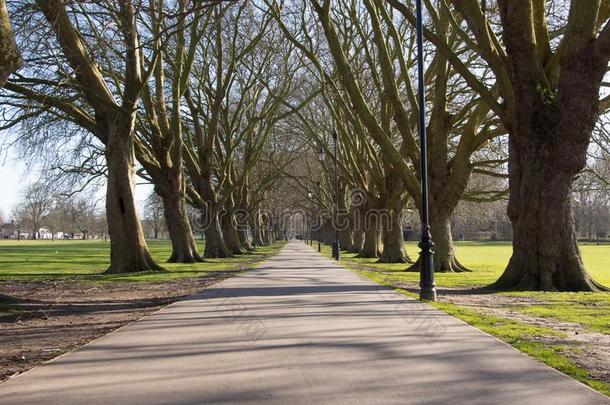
(54,317)
(588,349)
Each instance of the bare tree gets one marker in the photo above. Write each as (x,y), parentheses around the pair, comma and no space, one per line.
(17,218)
(154,214)
(88,96)
(38,202)
(238,93)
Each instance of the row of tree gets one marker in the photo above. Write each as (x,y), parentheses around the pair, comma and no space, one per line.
(224,105)
(516,86)
(189,96)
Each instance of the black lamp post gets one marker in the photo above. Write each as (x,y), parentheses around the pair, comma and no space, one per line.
(426,259)
(318,215)
(321,156)
(310,197)
(336,247)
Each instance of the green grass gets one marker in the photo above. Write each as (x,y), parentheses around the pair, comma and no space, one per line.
(86,260)
(526,338)
(591,310)
(488,260)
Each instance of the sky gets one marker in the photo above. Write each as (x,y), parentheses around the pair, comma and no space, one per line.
(15,177)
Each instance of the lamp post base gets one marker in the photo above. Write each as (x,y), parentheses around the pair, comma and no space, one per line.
(427,287)
(427,293)
(336,251)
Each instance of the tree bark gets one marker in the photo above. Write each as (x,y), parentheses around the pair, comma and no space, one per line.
(550,129)
(358,241)
(243,216)
(445,260)
(346,241)
(128,250)
(545,249)
(257,240)
(242,233)
(184,247)
(214,242)
(344,224)
(266,237)
(241,219)
(265,231)
(371,247)
(357,230)
(10,58)
(230,235)
(394,250)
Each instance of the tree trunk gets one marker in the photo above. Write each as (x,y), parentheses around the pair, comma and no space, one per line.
(370,247)
(266,237)
(358,241)
(10,58)
(328,232)
(241,219)
(169,185)
(265,231)
(444,254)
(184,247)
(214,242)
(550,129)
(128,250)
(394,250)
(229,234)
(343,221)
(545,250)
(346,241)
(242,233)
(257,240)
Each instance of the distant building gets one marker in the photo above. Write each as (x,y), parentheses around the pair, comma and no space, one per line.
(44,233)
(7,231)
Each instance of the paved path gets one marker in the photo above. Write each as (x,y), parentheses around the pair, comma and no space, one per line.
(299,330)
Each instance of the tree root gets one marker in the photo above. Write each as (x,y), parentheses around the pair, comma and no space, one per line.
(522,277)
(452,266)
(192,258)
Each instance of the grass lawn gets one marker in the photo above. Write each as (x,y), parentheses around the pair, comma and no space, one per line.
(86,260)
(487,261)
